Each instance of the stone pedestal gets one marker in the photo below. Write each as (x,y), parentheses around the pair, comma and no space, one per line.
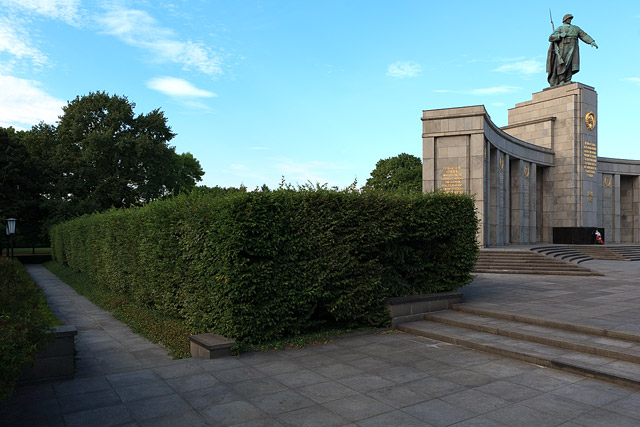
(563,119)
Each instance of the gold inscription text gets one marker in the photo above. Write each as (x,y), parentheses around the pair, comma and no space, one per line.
(590,153)
(452,179)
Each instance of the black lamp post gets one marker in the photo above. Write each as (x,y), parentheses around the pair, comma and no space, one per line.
(11,230)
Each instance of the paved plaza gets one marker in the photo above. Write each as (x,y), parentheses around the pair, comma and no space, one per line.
(388,379)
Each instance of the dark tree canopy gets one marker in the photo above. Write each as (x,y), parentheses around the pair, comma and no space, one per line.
(402,173)
(99,155)
(20,185)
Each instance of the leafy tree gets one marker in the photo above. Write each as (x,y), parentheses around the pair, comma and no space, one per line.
(186,173)
(102,155)
(20,183)
(402,173)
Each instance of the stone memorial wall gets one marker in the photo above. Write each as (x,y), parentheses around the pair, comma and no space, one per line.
(538,177)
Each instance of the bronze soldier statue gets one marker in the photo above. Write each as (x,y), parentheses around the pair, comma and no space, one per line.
(563,58)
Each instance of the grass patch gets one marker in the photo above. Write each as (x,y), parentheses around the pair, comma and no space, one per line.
(320,337)
(173,334)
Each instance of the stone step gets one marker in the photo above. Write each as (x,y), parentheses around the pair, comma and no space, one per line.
(504,254)
(546,269)
(545,354)
(538,272)
(580,253)
(523,258)
(532,320)
(631,253)
(533,264)
(563,253)
(599,252)
(525,262)
(583,342)
(529,265)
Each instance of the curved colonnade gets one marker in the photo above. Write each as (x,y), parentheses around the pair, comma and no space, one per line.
(538,179)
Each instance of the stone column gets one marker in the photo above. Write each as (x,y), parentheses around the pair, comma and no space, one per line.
(497,216)
(608,209)
(627,209)
(548,182)
(476,177)
(486,217)
(523,211)
(636,208)
(533,202)
(505,174)
(499,208)
(428,164)
(616,209)
(517,201)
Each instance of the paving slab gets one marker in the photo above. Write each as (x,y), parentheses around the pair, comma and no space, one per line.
(370,380)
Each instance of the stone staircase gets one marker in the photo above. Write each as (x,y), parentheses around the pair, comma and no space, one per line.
(580,253)
(598,353)
(507,261)
(629,252)
(600,252)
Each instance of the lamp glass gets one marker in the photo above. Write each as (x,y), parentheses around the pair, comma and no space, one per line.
(11,225)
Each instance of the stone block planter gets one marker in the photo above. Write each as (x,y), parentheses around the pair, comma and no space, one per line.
(413,308)
(56,362)
(210,346)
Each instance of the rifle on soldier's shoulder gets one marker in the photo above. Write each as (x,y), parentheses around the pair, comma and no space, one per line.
(555,45)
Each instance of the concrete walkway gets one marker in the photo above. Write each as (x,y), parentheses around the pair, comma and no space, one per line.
(390,379)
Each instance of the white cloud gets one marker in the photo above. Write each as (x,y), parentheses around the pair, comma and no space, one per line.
(24,104)
(63,10)
(15,41)
(15,34)
(526,67)
(137,28)
(174,86)
(403,69)
(635,80)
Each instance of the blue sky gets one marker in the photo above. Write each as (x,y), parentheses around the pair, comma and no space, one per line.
(312,91)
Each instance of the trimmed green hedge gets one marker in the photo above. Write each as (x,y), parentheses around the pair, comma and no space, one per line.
(259,266)
(25,319)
